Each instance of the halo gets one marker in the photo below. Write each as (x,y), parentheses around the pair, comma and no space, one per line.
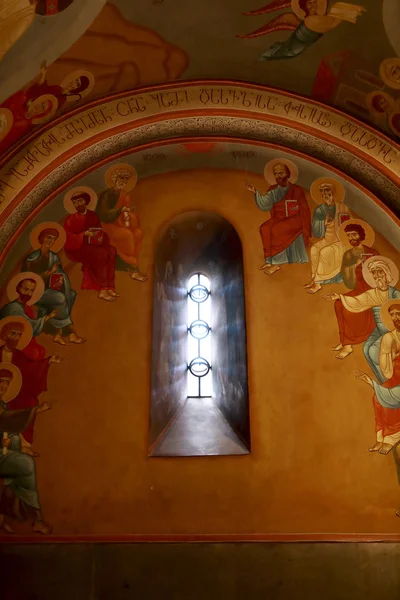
(368,275)
(15,383)
(385,316)
(35,233)
(12,286)
(75,75)
(48,115)
(369,232)
(69,207)
(322,6)
(27,334)
(385,74)
(269,174)
(316,195)
(9,122)
(394,122)
(131,182)
(369,101)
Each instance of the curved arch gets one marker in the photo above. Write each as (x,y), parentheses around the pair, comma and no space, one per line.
(79,140)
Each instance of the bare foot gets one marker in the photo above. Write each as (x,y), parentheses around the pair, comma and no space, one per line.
(75,339)
(385,449)
(28,450)
(41,527)
(113,293)
(308,285)
(314,288)
(272,270)
(264,266)
(104,295)
(375,448)
(346,351)
(398,513)
(58,339)
(138,276)
(5,526)
(337,348)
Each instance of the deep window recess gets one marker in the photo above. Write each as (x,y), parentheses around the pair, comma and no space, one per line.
(199,378)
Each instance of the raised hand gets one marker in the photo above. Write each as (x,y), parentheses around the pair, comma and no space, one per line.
(364,377)
(50,315)
(45,406)
(56,359)
(333,296)
(250,187)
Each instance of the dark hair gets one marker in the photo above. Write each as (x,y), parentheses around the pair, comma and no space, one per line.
(86,197)
(48,231)
(393,306)
(23,281)
(358,228)
(8,326)
(6,373)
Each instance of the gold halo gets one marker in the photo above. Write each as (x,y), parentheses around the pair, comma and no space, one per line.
(75,75)
(15,383)
(269,174)
(386,76)
(13,283)
(35,233)
(47,117)
(370,98)
(131,182)
(69,207)
(394,122)
(368,275)
(385,316)
(27,334)
(369,233)
(322,5)
(9,120)
(316,195)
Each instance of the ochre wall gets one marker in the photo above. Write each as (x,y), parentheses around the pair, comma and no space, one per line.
(311,420)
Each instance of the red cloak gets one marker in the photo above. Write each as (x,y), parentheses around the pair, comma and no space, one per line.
(286,222)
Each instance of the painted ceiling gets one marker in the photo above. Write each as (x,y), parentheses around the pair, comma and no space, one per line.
(343,54)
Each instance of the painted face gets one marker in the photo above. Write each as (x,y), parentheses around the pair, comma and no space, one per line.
(395,314)
(48,241)
(353,237)
(4,385)
(312,7)
(3,123)
(38,109)
(383,105)
(327,192)
(281,175)
(80,205)
(395,72)
(12,337)
(380,278)
(26,290)
(73,85)
(122,180)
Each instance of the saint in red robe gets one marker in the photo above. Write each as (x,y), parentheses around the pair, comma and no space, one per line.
(34,382)
(97,258)
(355,328)
(290,218)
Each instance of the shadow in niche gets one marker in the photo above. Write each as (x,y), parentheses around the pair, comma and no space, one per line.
(199,242)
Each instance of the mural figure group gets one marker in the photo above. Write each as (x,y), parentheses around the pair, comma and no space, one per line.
(100,236)
(369,313)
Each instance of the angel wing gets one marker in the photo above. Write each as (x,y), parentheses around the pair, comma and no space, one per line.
(271,7)
(285,22)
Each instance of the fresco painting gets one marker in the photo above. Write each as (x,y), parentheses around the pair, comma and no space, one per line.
(315,243)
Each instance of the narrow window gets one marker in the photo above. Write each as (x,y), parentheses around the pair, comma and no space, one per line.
(199,337)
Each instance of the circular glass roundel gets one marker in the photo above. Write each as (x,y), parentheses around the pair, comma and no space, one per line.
(199,367)
(199,293)
(199,329)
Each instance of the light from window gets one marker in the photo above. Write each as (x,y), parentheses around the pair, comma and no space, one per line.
(199,337)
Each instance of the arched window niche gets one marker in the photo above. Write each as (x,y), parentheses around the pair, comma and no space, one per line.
(204,246)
